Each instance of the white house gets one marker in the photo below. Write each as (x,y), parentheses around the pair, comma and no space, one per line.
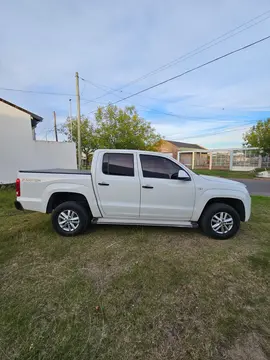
(19,148)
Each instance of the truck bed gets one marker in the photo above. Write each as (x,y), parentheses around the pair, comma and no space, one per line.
(58,171)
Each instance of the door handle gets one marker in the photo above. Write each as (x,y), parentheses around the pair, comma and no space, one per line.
(103,184)
(147,187)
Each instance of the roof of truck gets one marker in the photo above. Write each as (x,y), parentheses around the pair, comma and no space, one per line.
(128,151)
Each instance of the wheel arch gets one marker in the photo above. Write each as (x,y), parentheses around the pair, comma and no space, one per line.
(60,197)
(236,204)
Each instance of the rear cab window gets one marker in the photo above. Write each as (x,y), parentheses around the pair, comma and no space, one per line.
(118,164)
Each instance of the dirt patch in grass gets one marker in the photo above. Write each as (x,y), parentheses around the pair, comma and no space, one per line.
(132,292)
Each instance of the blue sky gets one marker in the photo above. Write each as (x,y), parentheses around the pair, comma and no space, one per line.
(112,43)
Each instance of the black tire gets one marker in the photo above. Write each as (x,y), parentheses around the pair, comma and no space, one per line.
(79,210)
(214,209)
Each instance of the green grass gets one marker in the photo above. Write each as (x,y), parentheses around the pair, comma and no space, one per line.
(160,293)
(228,174)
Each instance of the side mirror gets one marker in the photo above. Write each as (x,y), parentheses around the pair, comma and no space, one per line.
(182,175)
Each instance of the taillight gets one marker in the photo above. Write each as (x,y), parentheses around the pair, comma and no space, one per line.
(18,187)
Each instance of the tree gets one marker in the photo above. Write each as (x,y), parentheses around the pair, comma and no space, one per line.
(88,137)
(118,128)
(113,128)
(259,136)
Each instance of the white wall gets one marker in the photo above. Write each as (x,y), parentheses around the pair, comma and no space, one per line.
(15,141)
(18,150)
(52,154)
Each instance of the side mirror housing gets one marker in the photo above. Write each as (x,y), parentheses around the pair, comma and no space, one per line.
(182,175)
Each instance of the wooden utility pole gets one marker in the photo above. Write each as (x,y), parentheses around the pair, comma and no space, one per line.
(55,127)
(70,119)
(78,119)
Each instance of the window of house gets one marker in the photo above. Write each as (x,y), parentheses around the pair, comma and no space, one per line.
(158,167)
(118,164)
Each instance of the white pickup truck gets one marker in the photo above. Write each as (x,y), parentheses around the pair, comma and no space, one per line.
(131,187)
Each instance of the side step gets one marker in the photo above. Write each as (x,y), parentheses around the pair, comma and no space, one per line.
(117,221)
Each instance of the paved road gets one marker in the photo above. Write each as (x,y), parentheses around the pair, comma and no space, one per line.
(257,187)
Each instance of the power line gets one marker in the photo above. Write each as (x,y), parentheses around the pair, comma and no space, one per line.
(212,134)
(202,48)
(195,68)
(243,126)
(145,107)
(185,117)
(165,66)
(82,89)
(102,87)
(37,92)
(245,122)
(99,86)
(48,93)
(224,131)
(195,51)
(112,90)
(176,61)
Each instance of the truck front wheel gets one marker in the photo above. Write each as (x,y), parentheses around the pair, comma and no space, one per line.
(220,221)
(70,219)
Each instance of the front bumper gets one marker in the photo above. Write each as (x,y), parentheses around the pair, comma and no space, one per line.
(247,204)
(18,205)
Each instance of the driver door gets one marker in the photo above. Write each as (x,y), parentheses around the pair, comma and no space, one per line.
(163,196)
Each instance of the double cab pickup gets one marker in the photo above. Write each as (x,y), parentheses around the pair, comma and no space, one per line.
(131,187)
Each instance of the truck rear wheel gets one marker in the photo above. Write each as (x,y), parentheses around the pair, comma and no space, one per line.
(70,219)
(220,221)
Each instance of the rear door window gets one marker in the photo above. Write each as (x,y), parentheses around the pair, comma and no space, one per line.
(118,164)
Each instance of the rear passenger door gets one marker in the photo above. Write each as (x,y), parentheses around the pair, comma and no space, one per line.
(118,186)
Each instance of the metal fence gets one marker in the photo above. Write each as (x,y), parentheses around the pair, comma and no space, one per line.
(242,159)
(246,159)
(266,162)
(220,160)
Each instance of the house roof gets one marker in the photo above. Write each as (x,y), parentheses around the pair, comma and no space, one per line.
(185,145)
(34,116)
